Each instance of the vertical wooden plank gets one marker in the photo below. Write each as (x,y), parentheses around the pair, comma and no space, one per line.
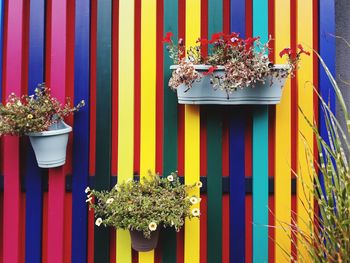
(81,130)
(283,138)
(2,14)
(305,102)
(148,96)
(57,74)
(327,52)
(125,110)
(32,171)
(237,154)
(103,120)
(260,150)
(214,153)
(170,150)
(192,138)
(13,83)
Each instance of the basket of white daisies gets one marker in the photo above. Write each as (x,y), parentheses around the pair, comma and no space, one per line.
(145,207)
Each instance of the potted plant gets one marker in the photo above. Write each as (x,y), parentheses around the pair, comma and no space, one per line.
(39,116)
(145,207)
(235,71)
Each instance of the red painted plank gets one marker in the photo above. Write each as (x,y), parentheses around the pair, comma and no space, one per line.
(1,229)
(115,70)
(45,225)
(249,232)
(91,223)
(58,84)
(137,87)
(180,246)
(93,47)
(203,229)
(225,228)
(68,228)
(112,245)
(249,18)
(22,227)
(13,83)
(159,88)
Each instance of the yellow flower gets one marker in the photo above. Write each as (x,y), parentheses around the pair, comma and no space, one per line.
(152,226)
(195,212)
(98,221)
(199,184)
(30,116)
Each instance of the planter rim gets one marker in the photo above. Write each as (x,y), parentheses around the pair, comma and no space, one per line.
(203,67)
(65,129)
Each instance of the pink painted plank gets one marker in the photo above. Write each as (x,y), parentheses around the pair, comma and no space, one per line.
(13,81)
(57,83)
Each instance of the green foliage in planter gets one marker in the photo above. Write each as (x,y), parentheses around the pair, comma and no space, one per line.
(34,113)
(145,205)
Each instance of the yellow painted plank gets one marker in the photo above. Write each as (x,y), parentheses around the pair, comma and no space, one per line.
(125,110)
(148,96)
(305,101)
(192,138)
(283,139)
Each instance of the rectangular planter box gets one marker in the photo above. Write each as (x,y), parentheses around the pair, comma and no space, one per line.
(202,91)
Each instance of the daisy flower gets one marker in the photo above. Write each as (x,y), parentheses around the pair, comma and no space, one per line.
(152,226)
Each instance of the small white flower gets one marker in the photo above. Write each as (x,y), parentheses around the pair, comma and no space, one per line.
(195,212)
(88,200)
(199,184)
(170,178)
(98,221)
(152,226)
(172,223)
(8,104)
(109,201)
(19,103)
(87,189)
(129,180)
(194,200)
(116,187)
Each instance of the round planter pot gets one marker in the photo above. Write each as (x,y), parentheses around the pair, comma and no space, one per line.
(50,146)
(142,244)
(202,91)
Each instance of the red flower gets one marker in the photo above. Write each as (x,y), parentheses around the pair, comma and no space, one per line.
(203,41)
(215,37)
(286,51)
(210,70)
(249,42)
(167,38)
(302,50)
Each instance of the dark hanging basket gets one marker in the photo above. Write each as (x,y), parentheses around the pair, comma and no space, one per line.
(142,244)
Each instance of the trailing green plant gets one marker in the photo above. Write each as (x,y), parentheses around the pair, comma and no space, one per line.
(33,113)
(145,205)
(328,235)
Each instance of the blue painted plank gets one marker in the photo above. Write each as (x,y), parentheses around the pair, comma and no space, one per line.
(81,131)
(237,185)
(237,153)
(32,171)
(260,151)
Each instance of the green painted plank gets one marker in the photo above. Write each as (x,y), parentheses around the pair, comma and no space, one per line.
(260,150)
(103,120)
(214,154)
(170,124)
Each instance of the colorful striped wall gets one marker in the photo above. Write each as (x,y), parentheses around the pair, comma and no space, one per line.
(110,53)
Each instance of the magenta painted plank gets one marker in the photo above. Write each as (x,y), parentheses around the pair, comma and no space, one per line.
(57,175)
(13,79)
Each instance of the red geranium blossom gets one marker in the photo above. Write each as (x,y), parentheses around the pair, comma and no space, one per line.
(215,37)
(286,51)
(167,38)
(302,50)
(210,70)
(249,42)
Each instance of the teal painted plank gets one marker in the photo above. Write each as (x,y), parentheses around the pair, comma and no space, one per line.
(260,151)
(214,154)
(103,120)
(170,123)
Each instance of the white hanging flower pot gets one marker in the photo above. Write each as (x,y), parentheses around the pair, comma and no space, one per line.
(203,92)
(50,146)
